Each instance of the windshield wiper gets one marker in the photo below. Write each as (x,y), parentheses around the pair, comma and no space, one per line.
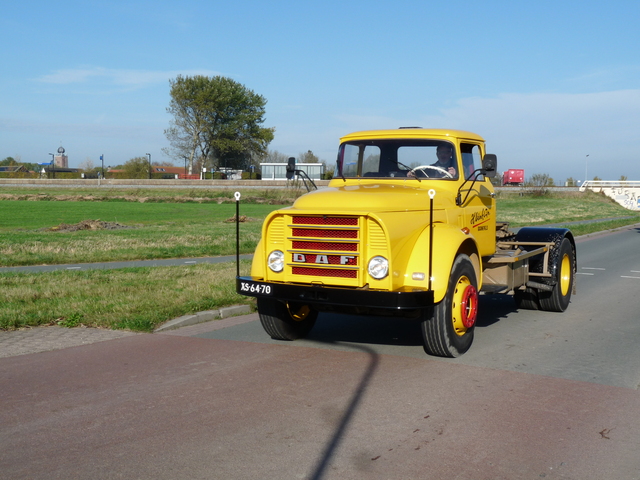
(408,170)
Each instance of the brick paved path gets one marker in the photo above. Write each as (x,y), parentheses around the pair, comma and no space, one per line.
(42,339)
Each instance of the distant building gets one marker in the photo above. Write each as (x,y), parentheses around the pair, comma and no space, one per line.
(278,171)
(14,169)
(61,160)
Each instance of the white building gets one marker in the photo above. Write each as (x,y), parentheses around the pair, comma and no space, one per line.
(278,171)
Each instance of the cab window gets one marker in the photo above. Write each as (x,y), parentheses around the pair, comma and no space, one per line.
(470,158)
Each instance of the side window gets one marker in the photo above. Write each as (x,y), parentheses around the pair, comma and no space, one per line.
(371,162)
(470,158)
(348,160)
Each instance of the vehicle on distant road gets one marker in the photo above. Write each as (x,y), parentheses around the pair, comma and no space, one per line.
(513,177)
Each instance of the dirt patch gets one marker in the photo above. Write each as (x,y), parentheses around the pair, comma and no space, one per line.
(87,225)
(242,219)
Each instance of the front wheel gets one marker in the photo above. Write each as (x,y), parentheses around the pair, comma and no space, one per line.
(447,330)
(286,321)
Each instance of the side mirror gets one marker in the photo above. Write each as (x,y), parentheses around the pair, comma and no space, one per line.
(489,165)
(291,168)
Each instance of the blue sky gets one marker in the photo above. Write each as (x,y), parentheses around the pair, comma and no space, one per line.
(546,83)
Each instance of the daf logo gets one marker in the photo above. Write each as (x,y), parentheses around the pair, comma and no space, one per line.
(323,259)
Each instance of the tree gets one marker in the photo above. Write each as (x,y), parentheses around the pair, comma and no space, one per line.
(539,183)
(137,167)
(12,162)
(541,180)
(216,119)
(308,157)
(571,182)
(87,165)
(274,156)
(497,180)
(623,178)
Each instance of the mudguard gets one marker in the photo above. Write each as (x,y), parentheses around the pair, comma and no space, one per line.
(448,242)
(550,235)
(258,264)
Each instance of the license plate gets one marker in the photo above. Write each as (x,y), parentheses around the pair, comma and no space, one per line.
(258,288)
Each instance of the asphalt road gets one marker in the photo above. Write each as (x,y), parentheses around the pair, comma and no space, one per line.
(539,395)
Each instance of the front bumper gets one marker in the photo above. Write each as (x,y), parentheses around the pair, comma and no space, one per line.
(345,297)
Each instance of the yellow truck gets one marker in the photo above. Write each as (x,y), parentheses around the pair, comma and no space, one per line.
(406,228)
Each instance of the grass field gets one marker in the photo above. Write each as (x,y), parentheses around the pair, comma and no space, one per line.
(156,230)
(170,224)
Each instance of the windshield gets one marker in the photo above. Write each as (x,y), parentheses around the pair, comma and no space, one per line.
(398,158)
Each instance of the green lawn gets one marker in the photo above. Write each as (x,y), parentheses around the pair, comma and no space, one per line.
(157,230)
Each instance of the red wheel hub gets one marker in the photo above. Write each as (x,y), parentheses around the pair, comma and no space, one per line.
(469,306)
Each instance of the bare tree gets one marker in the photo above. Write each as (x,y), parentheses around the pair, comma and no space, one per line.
(308,157)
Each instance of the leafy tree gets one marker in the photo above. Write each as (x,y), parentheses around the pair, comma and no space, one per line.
(623,178)
(137,167)
(571,182)
(216,119)
(11,162)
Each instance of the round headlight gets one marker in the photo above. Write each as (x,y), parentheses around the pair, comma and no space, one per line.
(378,267)
(276,261)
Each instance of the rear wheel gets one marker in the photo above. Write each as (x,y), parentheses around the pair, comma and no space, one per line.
(447,330)
(286,321)
(558,299)
(527,299)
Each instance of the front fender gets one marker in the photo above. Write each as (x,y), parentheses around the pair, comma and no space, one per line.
(448,242)
(258,264)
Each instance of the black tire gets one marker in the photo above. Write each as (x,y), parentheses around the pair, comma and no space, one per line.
(527,299)
(444,331)
(563,264)
(285,321)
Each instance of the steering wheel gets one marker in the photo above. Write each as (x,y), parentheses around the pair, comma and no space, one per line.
(422,168)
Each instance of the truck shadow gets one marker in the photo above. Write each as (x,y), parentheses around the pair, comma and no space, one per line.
(334,329)
(337,328)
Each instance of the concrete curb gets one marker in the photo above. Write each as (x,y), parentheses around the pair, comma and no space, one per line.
(206,316)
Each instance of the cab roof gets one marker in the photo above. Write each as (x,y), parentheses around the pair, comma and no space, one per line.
(413,133)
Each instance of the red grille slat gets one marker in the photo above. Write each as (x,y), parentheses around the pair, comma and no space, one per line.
(325,272)
(298,220)
(316,232)
(322,246)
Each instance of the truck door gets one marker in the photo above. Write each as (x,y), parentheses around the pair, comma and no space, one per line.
(479,208)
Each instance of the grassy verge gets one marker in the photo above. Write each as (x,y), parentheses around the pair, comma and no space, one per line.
(169,227)
(137,299)
(560,208)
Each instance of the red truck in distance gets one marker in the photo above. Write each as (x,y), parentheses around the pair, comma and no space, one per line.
(514,177)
